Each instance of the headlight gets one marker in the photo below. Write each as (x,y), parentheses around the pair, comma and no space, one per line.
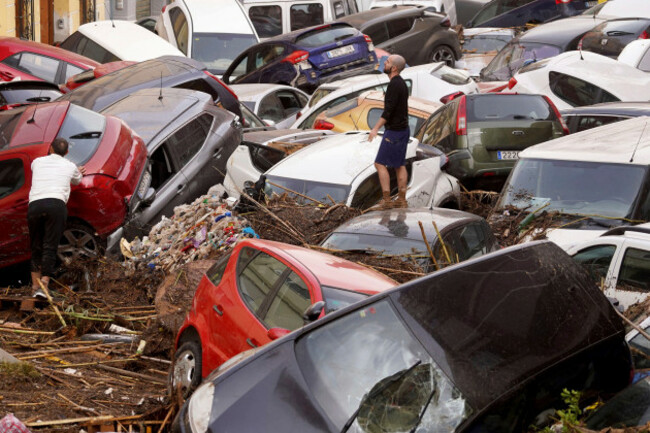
(198,411)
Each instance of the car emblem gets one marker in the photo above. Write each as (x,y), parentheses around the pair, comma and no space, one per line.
(518,133)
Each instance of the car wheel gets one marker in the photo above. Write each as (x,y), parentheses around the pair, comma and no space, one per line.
(186,370)
(78,242)
(442,53)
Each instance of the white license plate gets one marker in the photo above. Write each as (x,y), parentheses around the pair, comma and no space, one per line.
(508,154)
(338,52)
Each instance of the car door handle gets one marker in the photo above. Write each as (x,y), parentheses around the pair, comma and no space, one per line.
(180,188)
(217,154)
(251,343)
(218,309)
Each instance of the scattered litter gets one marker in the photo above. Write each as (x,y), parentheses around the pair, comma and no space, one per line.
(109,391)
(11,424)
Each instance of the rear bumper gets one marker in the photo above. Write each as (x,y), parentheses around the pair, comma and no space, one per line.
(309,80)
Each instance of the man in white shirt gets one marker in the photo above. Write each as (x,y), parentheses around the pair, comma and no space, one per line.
(47,212)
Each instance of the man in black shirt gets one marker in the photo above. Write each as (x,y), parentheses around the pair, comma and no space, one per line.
(392,151)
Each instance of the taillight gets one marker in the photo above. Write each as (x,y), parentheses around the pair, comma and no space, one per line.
(557,114)
(225,86)
(163,8)
(445,22)
(512,83)
(644,35)
(461,119)
(579,47)
(298,115)
(562,2)
(450,97)
(323,124)
(371,46)
(296,57)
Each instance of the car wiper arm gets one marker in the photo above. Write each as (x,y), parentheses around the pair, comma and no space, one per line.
(377,391)
(89,134)
(424,408)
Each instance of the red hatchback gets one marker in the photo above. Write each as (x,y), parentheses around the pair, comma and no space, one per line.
(260,292)
(115,160)
(30,60)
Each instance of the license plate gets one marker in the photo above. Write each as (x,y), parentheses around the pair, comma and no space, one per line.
(338,52)
(508,154)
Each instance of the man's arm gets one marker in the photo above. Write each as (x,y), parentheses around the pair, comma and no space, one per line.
(78,175)
(380,123)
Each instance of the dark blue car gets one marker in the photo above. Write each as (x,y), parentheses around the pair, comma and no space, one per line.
(305,58)
(513,13)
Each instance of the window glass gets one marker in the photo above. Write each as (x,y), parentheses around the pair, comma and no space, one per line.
(265,54)
(9,119)
(587,122)
(399,26)
(240,69)
(635,270)
(264,157)
(479,44)
(497,8)
(378,33)
(218,50)
(18,95)
(496,107)
(271,109)
(450,75)
(326,35)
(39,66)
(83,129)
(289,102)
(596,260)
(201,85)
(187,141)
(339,9)
(162,168)
(288,304)
(640,350)
(94,51)
(335,299)
(306,15)
(472,241)
(71,42)
(577,92)
(216,271)
(179,26)
(644,64)
(12,176)
(438,127)
(250,120)
(267,20)
(258,278)
(71,70)
(513,56)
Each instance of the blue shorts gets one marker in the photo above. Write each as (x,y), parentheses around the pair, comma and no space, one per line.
(392,150)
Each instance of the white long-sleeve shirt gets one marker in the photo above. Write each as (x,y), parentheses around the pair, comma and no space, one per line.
(52,176)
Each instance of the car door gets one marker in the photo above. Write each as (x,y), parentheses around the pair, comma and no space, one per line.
(399,40)
(630,277)
(239,68)
(271,109)
(28,65)
(291,102)
(597,260)
(15,181)
(180,30)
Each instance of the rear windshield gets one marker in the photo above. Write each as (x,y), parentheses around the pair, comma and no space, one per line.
(508,107)
(17,96)
(326,35)
(9,119)
(513,56)
(218,50)
(319,94)
(479,44)
(342,108)
(84,130)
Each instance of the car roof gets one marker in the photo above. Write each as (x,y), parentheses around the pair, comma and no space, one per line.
(377,15)
(560,32)
(252,92)
(294,35)
(15,45)
(148,111)
(371,223)
(338,159)
(413,103)
(612,143)
(118,36)
(630,108)
(330,270)
(226,16)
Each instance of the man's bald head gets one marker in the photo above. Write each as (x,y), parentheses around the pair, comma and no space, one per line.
(397,61)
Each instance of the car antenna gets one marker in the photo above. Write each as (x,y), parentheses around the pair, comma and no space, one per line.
(353,122)
(638,142)
(160,96)
(31,120)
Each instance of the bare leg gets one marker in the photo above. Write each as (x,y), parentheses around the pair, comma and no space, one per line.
(402,176)
(384,177)
(46,281)
(35,277)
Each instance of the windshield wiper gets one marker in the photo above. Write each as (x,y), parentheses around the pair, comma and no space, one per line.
(377,391)
(424,409)
(89,134)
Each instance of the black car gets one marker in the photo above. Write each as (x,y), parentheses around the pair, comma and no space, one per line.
(483,346)
(165,71)
(16,93)
(609,38)
(512,13)
(414,33)
(591,116)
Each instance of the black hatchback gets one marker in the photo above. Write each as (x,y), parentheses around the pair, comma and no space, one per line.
(485,345)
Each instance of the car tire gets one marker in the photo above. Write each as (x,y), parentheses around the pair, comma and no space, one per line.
(185,373)
(443,53)
(79,241)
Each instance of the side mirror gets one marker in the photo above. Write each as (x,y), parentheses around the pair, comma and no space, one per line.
(149,197)
(313,311)
(275,333)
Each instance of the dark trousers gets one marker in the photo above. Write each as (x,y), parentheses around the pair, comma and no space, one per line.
(46,220)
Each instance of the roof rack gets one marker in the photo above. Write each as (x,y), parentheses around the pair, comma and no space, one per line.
(621,230)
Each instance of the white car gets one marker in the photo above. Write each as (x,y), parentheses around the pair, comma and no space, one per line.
(637,54)
(341,168)
(431,81)
(619,260)
(575,79)
(431,5)
(480,45)
(622,9)
(276,104)
(211,32)
(113,40)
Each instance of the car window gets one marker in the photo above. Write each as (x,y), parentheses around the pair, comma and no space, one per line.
(250,120)
(257,279)
(375,113)
(37,65)
(445,251)
(265,54)
(186,142)
(91,49)
(12,176)
(71,70)
(596,260)
(305,15)
(497,8)
(9,119)
(339,9)
(587,122)
(437,127)
(289,102)
(83,129)
(179,26)
(264,157)
(399,26)
(218,50)
(513,56)
(270,108)
(472,241)
(18,95)
(378,33)
(635,270)
(577,92)
(288,304)
(478,44)
(368,192)
(162,167)
(335,299)
(240,69)
(267,20)
(326,35)
(644,63)
(640,349)
(495,107)
(216,271)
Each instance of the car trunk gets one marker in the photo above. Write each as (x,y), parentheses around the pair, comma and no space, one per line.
(343,49)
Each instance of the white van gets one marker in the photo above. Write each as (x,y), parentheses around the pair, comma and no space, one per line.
(275,17)
(211,31)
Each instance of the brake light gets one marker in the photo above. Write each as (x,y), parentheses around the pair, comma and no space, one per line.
(225,86)
(450,97)
(296,57)
(445,22)
(163,8)
(512,83)
(298,115)
(562,2)
(644,35)
(557,114)
(371,46)
(323,124)
(461,119)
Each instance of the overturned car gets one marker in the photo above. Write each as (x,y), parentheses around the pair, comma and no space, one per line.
(486,345)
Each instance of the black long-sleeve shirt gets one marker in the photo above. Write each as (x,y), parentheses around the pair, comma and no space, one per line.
(396,105)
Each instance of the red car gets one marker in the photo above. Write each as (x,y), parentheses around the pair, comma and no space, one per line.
(115,160)
(89,75)
(259,293)
(30,60)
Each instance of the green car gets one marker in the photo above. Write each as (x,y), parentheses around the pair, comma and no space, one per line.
(482,134)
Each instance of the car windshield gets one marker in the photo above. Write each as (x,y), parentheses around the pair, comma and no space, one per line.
(319,94)
(218,50)
(479,44)
(17,96)
(326,35)
(574,187)
(492,107)
(368,360)
(514,55)
(312,189)
(250,120)
(335,298)
(629,408)
(386,245)
(84,130)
